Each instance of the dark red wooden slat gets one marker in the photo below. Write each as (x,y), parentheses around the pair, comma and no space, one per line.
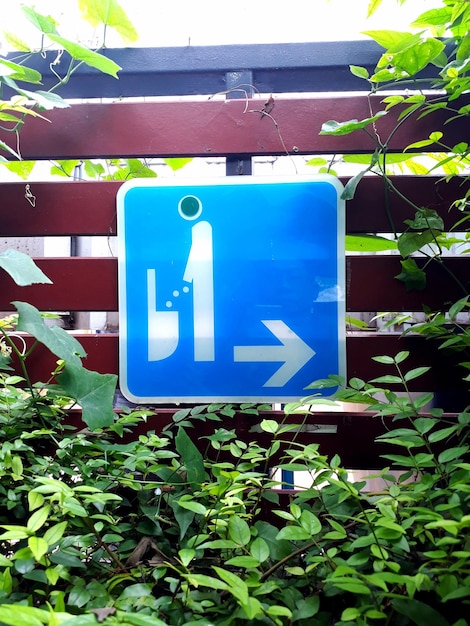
(90,284)
(217,127)
(61,208)
(371,284)
(367,213)
(79,284)
(89,208)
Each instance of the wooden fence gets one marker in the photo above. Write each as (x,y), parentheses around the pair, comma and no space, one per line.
(226,127)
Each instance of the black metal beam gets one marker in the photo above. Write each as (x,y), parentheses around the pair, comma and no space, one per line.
(202,70)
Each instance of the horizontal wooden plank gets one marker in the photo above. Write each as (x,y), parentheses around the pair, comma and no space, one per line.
(219,127)
(373,211)
(371,284)
(89,208)
(79,284)
(102,350)
(60,208)
(178,70)
(90,284)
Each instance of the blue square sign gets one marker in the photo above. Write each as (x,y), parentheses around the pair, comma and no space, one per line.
(230,289)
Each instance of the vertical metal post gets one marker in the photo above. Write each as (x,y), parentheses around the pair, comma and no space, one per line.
(242,85)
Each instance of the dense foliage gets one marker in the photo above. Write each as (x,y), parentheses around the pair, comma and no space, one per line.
(119,527)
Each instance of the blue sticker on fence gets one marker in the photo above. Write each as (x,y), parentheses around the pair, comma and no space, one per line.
(230,289)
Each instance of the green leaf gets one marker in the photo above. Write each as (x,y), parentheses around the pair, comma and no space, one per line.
(94,392)
(310,522)
(46,100)
(191,505)
(366,159)
(426,219)
(387,379)
(356,322)
(19,615)
(358,71)
(461,592)
(55,533)
(452,453)
(243,561)
(458,307)
(444,433)
(277,610)
(434,17)
(393,40)
(19,72)
(73,506)
(38,547)
(293,533)
(235,585)
(350,614)
(387,523)
(420,144)
(345,128)
(238,530)
(23,169)
(64,167)
(14,532)
(417,57)
(55,338)
(135,619)
(4,146)
(35,500)
(350,187)
(424,424)
(191,457)
(350,585)
(203,580)
(176,163)
(218,544)
(317,161)
(419,612)
(369,243)
(416,373)
(38,519)
(108,12)
(385,359)
(15,42)
(259,550)
(46,24)
(17,467)
(401,356)
(373,6)
(186,555)
(306,608)
(91,58)
(269,426)
(412,242)
(412,275)
(22,268)
(183,517)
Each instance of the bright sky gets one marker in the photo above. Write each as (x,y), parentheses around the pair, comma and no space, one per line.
(217,22)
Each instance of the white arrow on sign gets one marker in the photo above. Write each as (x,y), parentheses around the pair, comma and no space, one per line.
(293,352)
